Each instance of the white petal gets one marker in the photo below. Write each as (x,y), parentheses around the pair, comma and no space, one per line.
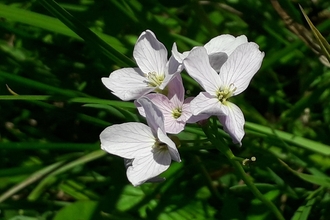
(173,66)
(197,118)
(198,67)
(156,179)
(170,144)
(167,80)
(233,123)
(204,103)
(217,60)
(150,54)
(186,112)
(148,167)
(177,55)
(127,140)
(241,66)
(127,83)
(224,43)
(154,116)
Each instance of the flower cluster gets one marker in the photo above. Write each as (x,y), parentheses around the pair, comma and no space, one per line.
(223,67)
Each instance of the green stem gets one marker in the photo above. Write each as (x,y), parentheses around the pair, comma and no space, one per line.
(211,187)
(224,149)
(238,167)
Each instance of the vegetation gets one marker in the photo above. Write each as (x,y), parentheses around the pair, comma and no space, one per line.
(54,106)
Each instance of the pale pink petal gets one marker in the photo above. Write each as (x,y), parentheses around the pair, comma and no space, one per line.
(170,144)
(160,100)
(127,140)
(140,108)
(198,67)
(172,125)
(150,54)
(175,126)
(147,167)
(186,110)
(204,103)
(167,107)
(224,43)
(154,116)
(176,91)
(241,66)
(233,123)
(127,83)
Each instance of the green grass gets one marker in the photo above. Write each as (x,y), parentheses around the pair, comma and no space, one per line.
(53,107)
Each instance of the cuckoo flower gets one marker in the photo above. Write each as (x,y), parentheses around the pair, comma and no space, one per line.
(175,108)
(218,49)
(153,73)
(234,77)
(147,149)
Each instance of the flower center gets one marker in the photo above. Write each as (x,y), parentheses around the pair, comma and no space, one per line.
(224,94)
(154,79)
(160,146)
(177,113)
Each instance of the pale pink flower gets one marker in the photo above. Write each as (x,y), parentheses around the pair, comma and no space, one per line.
(174,107)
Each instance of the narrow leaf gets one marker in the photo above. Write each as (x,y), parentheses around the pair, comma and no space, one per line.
(318,180)
(90,37)
(290,138)
(321,40)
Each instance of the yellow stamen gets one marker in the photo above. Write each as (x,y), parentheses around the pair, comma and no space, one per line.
(154,79)
(160,146)
(224,94)
(177,113)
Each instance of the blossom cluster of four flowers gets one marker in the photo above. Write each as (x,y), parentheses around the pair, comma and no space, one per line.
(223,67)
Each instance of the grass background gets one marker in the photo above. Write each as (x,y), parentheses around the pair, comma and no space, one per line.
(51,165)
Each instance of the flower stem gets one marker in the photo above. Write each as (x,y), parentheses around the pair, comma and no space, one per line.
(220,144)
(238,167)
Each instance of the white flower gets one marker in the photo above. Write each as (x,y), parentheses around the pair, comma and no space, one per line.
(149,147)
(218,49)
(234,77)
(154,71)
